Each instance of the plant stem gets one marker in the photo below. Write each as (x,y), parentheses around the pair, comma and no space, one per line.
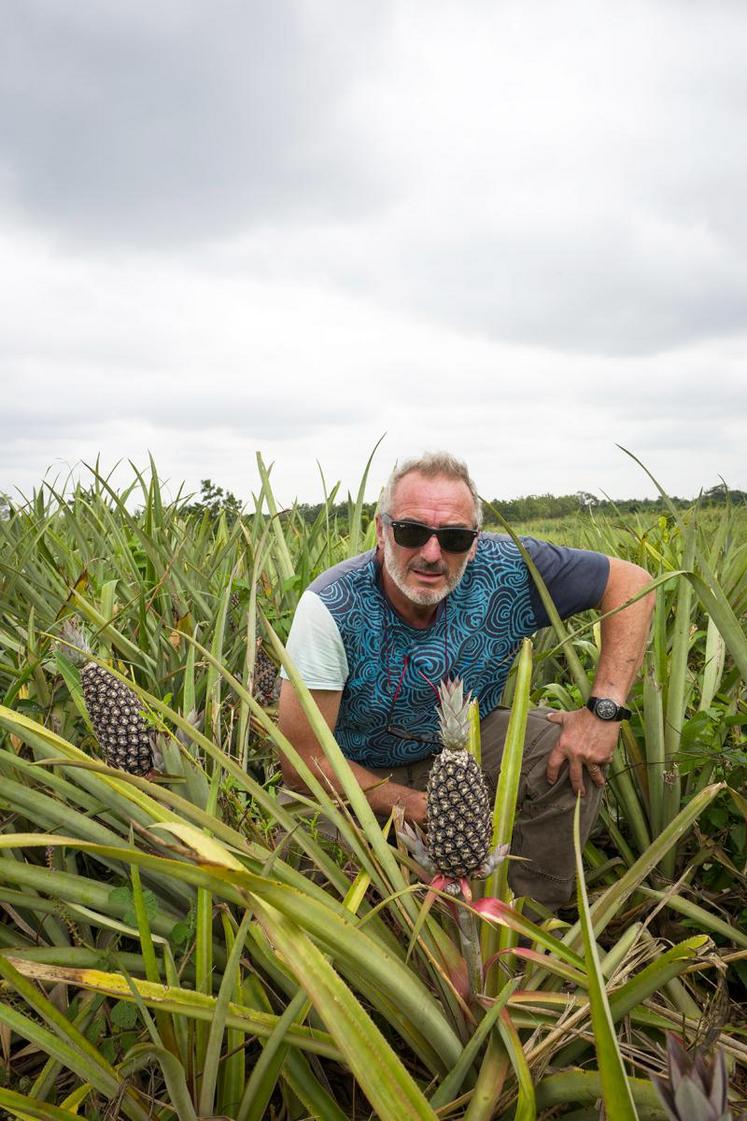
(470,940)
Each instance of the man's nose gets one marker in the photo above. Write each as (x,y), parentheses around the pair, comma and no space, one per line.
(431,551)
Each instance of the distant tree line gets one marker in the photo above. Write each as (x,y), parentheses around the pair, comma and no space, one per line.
(214,500)
(531,507)
(548,506)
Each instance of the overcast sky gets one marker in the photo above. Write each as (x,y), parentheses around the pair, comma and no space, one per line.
(514,230)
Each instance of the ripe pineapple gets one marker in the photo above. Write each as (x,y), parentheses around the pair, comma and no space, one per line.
(459,817)
(116,713)
(697,1086)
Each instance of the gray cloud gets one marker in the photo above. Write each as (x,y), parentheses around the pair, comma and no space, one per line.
(586,195)
(514,230)
(180,120)
(163,403)
(595,290)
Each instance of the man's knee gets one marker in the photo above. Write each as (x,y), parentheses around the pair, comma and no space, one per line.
(539,737)
(543,833)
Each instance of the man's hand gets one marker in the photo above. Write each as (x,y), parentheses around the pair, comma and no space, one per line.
(415,806)
(585,741)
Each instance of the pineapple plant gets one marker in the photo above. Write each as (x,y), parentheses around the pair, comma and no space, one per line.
(459,812)
(697,1086)
(126,740)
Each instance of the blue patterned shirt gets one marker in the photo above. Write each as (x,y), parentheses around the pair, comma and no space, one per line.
(346,635)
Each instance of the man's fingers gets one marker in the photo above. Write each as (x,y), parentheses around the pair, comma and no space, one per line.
(555,761)
(596,773)
(556,717)
(577,777)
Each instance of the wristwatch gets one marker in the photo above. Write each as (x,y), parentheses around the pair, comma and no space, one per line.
(607,709)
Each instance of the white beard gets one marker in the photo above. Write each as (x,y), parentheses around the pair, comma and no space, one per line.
(424,597)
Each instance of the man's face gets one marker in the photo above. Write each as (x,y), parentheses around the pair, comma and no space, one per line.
(426,575)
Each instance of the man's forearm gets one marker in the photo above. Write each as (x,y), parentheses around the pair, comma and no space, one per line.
(586,741)
(624,635)
(382,794)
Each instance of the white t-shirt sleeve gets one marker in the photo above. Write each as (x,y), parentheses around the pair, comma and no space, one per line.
(315,645)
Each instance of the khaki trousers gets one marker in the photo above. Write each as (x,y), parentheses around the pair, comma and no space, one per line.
(543,832)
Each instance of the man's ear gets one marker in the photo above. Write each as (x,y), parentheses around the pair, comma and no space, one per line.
(379,531)
(472,549)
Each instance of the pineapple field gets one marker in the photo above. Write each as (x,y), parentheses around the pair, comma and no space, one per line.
(183,938)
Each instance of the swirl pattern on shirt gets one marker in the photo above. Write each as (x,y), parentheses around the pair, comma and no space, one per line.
(388,710)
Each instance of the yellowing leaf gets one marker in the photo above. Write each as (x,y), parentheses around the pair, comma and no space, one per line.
(207,848)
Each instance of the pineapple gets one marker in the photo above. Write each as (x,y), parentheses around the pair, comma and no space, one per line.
(116,713)
(459,817)
(265,681)
(697,1086)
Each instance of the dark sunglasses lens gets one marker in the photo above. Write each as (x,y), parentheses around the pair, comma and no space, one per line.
(455,540)
(410,536)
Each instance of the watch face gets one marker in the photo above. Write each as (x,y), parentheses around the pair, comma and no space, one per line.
(605,709)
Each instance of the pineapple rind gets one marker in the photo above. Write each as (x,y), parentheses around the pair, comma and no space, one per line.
(116,714)
(266,679)
(459,817)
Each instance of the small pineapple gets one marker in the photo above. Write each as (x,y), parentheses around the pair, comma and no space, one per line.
(265,679)
(116,713)
(459,817)
(697,1086)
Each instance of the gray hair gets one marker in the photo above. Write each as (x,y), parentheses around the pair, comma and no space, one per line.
(432,465)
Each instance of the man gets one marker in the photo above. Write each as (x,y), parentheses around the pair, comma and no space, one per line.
(373,637)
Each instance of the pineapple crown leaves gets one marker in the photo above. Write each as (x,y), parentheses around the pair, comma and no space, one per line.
(74,641)
(697,1085)
(196,720)
(451,692)
(453,714)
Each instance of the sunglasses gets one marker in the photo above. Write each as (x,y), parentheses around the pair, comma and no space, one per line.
(413,535)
